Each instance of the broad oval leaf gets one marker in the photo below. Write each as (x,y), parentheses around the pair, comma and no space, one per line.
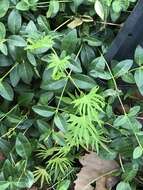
(138,151)
(5,61)
(25,72)
(122,67)
(23,146)
(22,5)
(17,40)
(139,55)
(4,185)
(60,122)
(45,111)
(120,120)
(14,21)
(14,76)
(83,81)
(27,180)
(53,8)
(69,42)
(4,5)
(6,91)
(123,186)
(99,9)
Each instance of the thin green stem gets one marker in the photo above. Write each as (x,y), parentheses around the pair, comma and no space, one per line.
(64,1)
(59,102)
(119,98)
(61,180)
(62,24)
(13,129)
(68,76)
(6,114)
(2,78)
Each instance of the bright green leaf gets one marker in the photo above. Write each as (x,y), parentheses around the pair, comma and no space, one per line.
(99,9)
(53,8)
(138,151)
(2,31)
(4,5)
(4,185)
(123,186)
(139,55)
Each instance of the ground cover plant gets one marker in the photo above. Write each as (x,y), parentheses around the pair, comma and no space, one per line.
(62,105)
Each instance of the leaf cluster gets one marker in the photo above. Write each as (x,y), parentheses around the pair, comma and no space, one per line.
(59,98)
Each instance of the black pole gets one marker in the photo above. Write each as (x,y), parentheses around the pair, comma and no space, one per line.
(129,37)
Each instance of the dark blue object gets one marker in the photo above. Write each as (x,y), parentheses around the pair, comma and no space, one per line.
(131,35)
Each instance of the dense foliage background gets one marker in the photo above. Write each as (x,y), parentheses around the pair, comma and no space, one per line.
(59,98)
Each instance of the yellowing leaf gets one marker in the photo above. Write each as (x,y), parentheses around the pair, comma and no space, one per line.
(76,22)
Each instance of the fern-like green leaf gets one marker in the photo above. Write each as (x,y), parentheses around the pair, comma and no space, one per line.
(82,132)
(44,152)
(40,42)
(59,166)
(59,65)
(42,175)
(90,104)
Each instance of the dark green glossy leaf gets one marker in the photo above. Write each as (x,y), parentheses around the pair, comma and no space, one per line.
(83,81)
(23,146)
(69,41)
(16,40)
(25,72)
(122,68)
(14,76)
(60,122)
(43,126)
(14,21)
(6,91)
(53,85)
(5,61)
(44,111)
(3,48)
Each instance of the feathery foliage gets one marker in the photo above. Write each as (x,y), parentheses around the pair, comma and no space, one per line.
(59,65)
(42,175)
(90,105)
(59,98)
